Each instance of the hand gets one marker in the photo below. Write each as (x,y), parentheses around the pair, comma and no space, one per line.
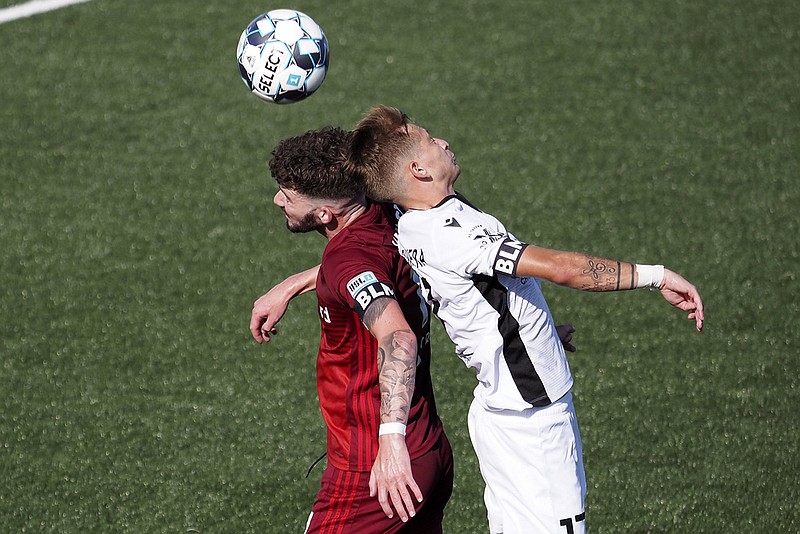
(565,332)
(267,311)
(270,307)
(391,477)
(680,293)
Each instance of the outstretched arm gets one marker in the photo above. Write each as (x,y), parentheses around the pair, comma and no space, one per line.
(391,477)
(270,307)
(591,273)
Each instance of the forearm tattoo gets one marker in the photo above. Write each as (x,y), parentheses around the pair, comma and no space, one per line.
(397,365)
(600,274)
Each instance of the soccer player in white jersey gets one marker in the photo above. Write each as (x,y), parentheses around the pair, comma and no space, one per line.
(484,285)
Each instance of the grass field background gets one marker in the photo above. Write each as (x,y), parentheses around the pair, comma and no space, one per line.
(136,229)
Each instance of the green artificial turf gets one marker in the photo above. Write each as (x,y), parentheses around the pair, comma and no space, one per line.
(136,230)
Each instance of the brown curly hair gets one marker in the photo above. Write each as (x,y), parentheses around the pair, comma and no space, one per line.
(313,164)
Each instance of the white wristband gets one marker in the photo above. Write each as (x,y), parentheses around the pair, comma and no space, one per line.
(392,428)
(649,275)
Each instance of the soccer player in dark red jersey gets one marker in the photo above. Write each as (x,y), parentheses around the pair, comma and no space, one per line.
(390,467)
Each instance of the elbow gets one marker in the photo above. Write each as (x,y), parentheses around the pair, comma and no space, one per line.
(405,340)
(563,277)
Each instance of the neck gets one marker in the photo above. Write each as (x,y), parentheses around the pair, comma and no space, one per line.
(345,216)
(425,199)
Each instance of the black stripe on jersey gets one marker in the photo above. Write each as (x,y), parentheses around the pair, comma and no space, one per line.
(523,372)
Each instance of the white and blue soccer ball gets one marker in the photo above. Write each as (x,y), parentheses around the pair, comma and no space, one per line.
(283,56)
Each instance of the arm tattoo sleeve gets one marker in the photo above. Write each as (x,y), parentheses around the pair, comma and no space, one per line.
(397,366)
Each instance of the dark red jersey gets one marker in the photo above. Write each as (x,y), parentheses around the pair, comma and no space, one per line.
(361,264)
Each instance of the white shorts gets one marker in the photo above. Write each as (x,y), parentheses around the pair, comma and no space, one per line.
(532,463)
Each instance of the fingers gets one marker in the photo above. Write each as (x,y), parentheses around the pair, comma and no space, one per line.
(390,500)
(261,327)
(407,499)
(395,496)
(699,312)
(565,332)
(266,334)
(698,321)
(255,327)
(391,477)
(406,507)
(373,484)
(384,502)
(416,490)
(694,304)
(567,341)
(381,492)
(684,296)
(401,501)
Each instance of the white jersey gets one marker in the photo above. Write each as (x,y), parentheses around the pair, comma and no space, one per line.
(500,324)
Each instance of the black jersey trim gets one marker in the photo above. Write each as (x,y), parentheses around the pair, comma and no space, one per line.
(463,199)
(528,382)
(445,200)
(508,256)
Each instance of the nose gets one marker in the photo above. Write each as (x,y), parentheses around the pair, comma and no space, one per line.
(442,143)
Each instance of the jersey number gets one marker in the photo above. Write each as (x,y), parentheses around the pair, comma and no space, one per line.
(568,524)
(325,314)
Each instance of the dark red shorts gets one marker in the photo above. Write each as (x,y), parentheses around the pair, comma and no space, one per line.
(343,504)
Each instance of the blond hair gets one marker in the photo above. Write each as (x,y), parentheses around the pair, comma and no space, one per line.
(379,145)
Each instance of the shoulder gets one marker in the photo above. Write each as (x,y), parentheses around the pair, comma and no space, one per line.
(453,236)
(453,220)
(357,251)
(365,246)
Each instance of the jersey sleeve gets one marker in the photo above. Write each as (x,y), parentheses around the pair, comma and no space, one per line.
(360,277)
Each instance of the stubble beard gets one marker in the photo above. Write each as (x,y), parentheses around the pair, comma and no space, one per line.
(307,224)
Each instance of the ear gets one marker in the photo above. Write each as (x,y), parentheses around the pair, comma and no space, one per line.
(325,215)
(417,171)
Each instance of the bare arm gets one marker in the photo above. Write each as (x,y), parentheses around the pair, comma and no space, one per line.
(270,307)
(591,273)
(391,476)
(576,270)
(397,363)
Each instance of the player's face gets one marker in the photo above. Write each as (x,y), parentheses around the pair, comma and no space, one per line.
(436,156)
(299,211)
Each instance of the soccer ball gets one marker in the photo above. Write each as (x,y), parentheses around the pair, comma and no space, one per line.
(283,56)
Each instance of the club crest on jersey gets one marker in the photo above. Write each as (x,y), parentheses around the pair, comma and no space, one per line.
(480,233)
(508,256)
(365,288)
